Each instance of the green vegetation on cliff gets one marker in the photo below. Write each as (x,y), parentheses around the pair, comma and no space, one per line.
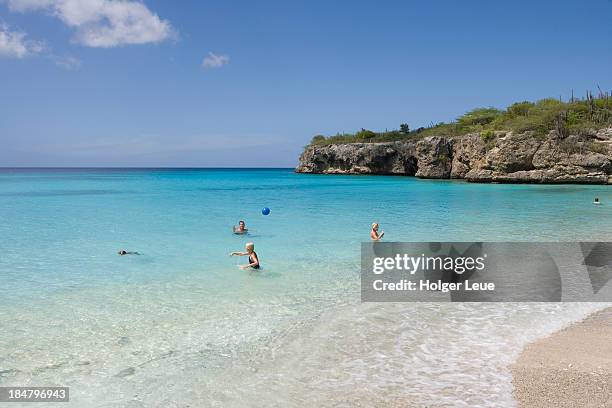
(573,116)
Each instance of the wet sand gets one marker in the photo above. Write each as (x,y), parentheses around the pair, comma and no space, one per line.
(571,368)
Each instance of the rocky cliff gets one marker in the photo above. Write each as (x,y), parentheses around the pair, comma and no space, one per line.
(499,157)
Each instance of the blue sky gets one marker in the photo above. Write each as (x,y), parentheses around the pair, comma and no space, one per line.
(230,83)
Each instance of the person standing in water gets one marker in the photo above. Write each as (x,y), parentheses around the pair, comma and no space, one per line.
(374,235)
(250,252)
(241,228)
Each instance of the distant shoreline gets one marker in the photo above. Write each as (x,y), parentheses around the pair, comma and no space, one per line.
(570,368)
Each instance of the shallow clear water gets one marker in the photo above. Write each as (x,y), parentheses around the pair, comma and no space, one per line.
(182,324)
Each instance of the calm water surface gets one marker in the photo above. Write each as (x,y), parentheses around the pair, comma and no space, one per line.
(181,324)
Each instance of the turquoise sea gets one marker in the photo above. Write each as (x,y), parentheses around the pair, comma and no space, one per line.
(182,325)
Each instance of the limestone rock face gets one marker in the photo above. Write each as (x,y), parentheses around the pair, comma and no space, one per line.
(468,152)
(505,157)
(604,134)
(556,175)
(360,158)
(434,157)
(513,153)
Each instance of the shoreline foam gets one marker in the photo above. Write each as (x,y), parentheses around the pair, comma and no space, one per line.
(394,354)
(571,367)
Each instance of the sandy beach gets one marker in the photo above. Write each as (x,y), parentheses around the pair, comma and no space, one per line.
(571,368)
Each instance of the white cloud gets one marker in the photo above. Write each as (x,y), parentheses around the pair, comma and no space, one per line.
(213,60)
(14,44)
(68,62)
(103,23)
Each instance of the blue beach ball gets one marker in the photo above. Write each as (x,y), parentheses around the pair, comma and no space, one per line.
(265,211)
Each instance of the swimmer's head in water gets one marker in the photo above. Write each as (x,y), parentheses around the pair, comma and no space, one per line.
(241,224)
(122,252)
(250,247)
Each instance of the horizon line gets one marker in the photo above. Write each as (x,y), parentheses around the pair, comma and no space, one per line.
(137,168)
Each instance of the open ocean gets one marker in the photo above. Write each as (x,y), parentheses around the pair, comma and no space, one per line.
(182,325)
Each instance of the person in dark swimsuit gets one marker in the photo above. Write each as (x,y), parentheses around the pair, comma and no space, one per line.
(253,258)
(124,252)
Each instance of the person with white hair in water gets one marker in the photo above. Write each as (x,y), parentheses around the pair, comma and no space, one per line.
(374,235)
(253,258)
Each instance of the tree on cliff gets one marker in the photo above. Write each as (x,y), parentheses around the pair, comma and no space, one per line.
(318,139)
(365,134)
(404,128)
